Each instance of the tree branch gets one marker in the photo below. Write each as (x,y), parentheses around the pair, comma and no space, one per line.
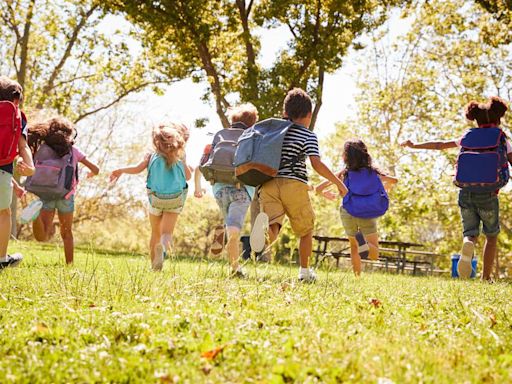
(118,99)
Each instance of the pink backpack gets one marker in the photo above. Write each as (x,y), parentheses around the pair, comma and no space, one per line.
(54,175)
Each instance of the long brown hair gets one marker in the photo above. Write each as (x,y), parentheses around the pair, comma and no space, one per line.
(356,157)
(58,133)
(169,141)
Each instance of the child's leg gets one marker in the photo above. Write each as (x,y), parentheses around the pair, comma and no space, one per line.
(373,244)
(155,221)
(305,249)
(167,225)
(43,225)
(5,231)
(354,255)
(490,249)
(233,247)
(66,232)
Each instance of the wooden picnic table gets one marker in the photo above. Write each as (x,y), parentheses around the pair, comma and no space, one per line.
(398,249)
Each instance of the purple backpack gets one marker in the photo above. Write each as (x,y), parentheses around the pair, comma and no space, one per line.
(366,197)
(54,175)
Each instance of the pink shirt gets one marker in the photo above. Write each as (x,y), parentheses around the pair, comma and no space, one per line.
(78,156)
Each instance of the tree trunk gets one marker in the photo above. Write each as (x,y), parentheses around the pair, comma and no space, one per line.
(319,96)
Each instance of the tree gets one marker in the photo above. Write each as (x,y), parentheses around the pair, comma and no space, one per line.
(217,41)
(67,60)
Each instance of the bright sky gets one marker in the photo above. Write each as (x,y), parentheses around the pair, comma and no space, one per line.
(182,101)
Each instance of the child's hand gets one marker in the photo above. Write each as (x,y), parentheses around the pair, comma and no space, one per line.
(19,191)
(115,175)
(90,174)
(407,143)
(199,193)
(330,195)
(24,169)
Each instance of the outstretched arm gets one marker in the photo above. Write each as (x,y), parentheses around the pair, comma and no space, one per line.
(324,171)
(132,170)
(438,145)
(388,181)
(93,168)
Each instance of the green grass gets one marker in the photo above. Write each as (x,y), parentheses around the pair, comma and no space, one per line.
(110,319)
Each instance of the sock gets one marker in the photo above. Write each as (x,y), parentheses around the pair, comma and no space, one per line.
(304,271)
(3,259)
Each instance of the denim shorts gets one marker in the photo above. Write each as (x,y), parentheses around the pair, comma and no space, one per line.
(61,205)
(5,190)
(233,204)
(476,207)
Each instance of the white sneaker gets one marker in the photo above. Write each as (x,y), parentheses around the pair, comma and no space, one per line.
(31,212)
(464,267)
(259,232)
(158,262)
(307,276)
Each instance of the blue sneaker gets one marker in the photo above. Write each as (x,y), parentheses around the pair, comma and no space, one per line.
(362,246)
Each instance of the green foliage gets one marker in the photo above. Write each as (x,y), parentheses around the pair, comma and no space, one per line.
(109,319)
(69,59)
(217,41)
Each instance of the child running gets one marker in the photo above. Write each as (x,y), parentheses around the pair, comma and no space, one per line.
(56,179)
(482,169)
(12,144)
(166,184)
(233,198)
(365,201)
(288,193)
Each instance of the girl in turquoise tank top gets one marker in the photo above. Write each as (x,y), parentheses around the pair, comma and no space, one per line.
(166,184)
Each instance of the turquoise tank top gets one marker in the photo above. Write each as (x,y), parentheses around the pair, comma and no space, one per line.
(165,180)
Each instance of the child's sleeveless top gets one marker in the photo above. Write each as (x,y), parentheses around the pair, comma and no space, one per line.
(165,180)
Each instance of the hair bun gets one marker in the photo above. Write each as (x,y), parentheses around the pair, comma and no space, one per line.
(471,110)
(498,106)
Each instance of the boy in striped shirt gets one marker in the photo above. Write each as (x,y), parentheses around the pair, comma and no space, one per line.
(287,194)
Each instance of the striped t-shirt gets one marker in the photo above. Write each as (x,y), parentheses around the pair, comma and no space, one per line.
(298,144)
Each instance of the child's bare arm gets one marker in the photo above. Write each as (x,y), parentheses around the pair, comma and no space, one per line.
(132,170)
(93,168)
(188,169)
(324,171)
(199,191)
(25,167)
(18,189)
(388,181)
(438,145)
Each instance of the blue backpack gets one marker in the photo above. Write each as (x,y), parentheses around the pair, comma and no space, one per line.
(482,165)
(258,154)
(366,197)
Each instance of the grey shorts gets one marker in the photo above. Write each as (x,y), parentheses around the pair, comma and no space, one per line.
(233,204)
(353,224)
(479,207)
(5,190)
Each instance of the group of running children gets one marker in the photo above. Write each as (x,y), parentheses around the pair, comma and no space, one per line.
(262,164)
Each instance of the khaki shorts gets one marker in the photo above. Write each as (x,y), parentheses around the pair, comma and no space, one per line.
(5,190)
(354,224)
(282,196)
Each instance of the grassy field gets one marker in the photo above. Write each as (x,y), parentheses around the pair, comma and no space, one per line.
(110,319)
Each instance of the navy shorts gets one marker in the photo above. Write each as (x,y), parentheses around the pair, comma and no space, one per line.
(479,207)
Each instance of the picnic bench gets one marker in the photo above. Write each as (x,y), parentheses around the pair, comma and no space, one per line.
(393,255)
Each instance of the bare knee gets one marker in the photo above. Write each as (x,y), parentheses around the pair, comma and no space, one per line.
(66,233)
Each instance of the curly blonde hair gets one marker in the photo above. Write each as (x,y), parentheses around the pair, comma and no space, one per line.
(169,141)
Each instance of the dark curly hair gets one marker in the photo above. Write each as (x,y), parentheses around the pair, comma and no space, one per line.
(490,112)
(356,156)
(58,133)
